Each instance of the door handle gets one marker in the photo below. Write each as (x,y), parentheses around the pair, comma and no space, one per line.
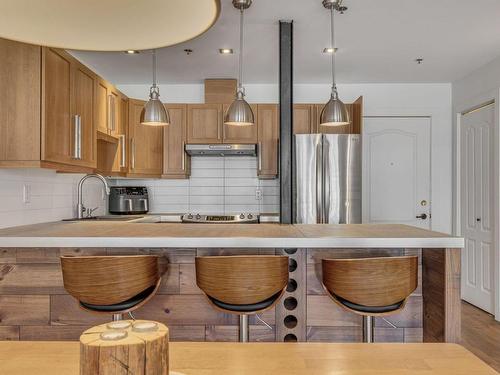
(422,216)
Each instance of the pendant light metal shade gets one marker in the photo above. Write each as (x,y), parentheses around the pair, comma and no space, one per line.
(335,112)
(239,112)
(154,112)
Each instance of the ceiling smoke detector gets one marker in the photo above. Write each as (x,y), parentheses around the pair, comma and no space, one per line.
(419,60)
(188,51)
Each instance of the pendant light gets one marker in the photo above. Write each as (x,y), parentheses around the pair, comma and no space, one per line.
(239,112)
(154,112)
(335,112)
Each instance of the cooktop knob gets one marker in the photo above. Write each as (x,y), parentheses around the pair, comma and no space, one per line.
(250,216)
(242,216)
(190,216)
(198,217)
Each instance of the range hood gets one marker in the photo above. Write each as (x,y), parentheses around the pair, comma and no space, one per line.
(221,150)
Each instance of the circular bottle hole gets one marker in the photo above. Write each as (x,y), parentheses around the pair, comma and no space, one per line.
(290,303)
(290,322)
(290,338)
(291,286)
(113,335)
(292,265)
(290,251)
(120,324)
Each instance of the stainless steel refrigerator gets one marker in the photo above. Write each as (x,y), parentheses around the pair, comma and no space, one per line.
(327,179)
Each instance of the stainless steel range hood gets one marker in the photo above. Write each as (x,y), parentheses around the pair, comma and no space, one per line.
(221,150)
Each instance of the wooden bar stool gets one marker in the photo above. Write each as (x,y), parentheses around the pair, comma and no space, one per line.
(371,287)
(112,285)
(242,285)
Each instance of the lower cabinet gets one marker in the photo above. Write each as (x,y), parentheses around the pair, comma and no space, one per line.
(176,163)
(146,144)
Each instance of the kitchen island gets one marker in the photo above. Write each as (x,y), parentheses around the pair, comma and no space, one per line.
(34,305)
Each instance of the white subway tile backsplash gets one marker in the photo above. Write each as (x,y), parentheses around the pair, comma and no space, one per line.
(206,190)
(206,181)
(240,190)
(159,191)
(240,200)
(207,162)
(207,199)
(241,182)
(207,209)
(239,173)
(207,173)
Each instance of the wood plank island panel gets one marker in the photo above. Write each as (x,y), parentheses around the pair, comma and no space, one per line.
(34,305)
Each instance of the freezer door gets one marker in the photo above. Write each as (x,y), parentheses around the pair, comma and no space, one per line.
(308,179)
(342,178)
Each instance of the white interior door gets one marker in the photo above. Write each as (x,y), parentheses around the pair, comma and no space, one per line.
(396,171)
(476,199)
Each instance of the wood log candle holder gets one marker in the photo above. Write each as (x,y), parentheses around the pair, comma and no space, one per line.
(125,347)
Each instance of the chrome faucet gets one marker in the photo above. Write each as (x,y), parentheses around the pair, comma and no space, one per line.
(80,209)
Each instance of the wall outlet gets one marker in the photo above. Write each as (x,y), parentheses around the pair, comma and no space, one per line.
(258,194)
(26,194)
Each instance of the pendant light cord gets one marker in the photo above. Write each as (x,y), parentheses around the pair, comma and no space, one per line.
(240,75)
(154,68)
(332,12)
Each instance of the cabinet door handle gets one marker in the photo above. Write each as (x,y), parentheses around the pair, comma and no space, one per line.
(183,156)
(259,151)
(80,141)
(75,137)
(123,157)
(133,153)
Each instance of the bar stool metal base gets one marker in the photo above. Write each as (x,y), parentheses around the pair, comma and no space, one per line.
(244,328)
(368,329)
(117,317)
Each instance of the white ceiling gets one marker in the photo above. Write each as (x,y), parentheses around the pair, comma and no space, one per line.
(378,41)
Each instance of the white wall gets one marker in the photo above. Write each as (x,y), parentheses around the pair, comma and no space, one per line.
(430,100)
(53,196)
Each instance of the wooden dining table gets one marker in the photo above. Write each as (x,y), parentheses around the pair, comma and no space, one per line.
(62,358)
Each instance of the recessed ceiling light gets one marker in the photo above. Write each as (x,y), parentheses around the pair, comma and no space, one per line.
(131,52)
(226,51)
(329,50)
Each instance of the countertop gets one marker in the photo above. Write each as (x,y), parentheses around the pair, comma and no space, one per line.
(166,235)
(44,358)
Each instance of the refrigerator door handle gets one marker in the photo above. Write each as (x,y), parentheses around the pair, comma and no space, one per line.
(326,182)
(319,184)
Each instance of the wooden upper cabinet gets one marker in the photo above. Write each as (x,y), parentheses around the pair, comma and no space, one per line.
(346,129)
(102,106)
(83,107)
(176,163)
(59,128)
(268,130)
(304,116)
(204,123)
(240,134)
(20,87)
(146,144)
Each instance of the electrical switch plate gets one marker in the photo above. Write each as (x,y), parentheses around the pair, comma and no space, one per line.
(258,194)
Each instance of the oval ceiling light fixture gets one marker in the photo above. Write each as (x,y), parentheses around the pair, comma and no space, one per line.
(335,112)
(239,112)
(111,25)
(154,112)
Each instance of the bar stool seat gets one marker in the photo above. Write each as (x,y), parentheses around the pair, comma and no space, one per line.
(248,308)
(371,286)
(242,285)
(123,306)
(111,284)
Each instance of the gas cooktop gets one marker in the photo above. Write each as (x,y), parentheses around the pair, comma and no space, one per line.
(221,219)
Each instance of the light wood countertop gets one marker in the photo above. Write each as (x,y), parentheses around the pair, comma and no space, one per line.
(44,358)
(127,234)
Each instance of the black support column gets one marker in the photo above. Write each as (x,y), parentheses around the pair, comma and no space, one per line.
(286,120)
